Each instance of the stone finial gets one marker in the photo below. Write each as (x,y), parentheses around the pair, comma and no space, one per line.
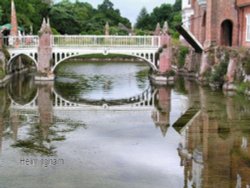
(165,27)
(31,29)
(107,28)
(48,22)
(157,29)
(132,30)
(45,28)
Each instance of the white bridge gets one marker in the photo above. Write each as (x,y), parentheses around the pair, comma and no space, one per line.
(144,101)
(68,46)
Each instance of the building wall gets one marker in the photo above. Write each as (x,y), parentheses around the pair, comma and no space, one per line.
(197,23)
(206,24)
(187,12)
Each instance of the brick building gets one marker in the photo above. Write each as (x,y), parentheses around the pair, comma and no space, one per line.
(221,22)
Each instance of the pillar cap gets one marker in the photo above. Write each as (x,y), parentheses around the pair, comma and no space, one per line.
(165,28)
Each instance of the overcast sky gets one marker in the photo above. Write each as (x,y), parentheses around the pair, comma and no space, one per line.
(130,8)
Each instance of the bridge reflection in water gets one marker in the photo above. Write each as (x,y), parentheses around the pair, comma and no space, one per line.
(40,105)
(211,132)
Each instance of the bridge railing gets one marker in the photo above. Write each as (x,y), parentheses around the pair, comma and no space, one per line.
(28,41)
(105,41)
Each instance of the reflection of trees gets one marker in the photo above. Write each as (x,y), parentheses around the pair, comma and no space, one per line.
(4,112)
(180,85)
(22,89)
(142,78)
(44,132)
(41,139)
(72,86)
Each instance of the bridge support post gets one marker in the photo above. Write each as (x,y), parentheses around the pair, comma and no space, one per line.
(45,53)
(165,56)
(165,73)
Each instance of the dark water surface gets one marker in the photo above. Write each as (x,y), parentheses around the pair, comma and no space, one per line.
(104,125)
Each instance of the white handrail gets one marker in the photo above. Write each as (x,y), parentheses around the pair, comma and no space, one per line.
(32,41)
(28,41)
(105,41)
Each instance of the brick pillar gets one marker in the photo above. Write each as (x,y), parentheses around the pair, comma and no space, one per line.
(231,69)
(211,23)
(165,56)
(45,48)
(204,64)
(165,61)
(14,25)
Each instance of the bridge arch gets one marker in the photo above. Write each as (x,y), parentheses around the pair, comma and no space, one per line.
(24,101)
(143,99)
(147,57)
(31,56)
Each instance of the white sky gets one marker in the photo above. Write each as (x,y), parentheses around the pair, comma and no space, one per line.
(130,8)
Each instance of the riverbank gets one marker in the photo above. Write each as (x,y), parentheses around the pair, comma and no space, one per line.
(226,68)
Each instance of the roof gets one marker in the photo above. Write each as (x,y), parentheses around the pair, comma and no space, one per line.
(8,27)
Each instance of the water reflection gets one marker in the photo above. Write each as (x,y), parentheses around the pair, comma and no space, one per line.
(214,150)
(201,137)
(104,81)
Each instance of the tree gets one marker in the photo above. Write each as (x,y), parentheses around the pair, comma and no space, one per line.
(106,6)
(165,12)
(1,13)
(143,19)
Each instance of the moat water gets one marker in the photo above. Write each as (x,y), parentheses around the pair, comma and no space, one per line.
(105,125)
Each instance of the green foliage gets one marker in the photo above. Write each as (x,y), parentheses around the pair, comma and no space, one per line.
(82,18)
(247,67)
(165,12)
(2,73)
(183,51)
(218,73)
(143,20)
(29,12)
(246,62)
(6,53)
(66,17)
(242,87)
(142,32)
(54,31)
(1,13)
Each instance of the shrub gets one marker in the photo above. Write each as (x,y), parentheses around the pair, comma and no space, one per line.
(246,61)
(246,65)
(2,73)
(242,87)
(6,53)
(183,51)
(218,73)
